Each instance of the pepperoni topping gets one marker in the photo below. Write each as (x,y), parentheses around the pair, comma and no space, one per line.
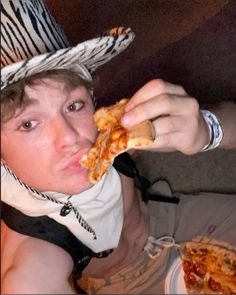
(199,269)
(215,286)
(190,279)
(187,266)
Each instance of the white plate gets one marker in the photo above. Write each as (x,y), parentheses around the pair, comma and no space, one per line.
(174,282)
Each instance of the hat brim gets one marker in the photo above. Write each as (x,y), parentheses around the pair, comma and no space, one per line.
(84,58)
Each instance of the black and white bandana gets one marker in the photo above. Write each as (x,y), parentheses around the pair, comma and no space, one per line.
(94,216)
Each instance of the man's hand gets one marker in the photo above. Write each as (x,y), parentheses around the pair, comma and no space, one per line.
(175,115)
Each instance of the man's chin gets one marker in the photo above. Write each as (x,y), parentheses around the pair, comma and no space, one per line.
(76,186)
(74,182)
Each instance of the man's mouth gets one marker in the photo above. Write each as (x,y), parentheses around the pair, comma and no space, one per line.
(73,164)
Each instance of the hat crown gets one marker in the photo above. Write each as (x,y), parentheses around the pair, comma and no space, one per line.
(32,42)
(27,30)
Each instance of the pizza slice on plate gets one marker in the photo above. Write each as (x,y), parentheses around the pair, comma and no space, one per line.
(209,268)
(113,139)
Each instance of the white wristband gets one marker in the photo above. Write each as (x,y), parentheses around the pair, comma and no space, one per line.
(215,130)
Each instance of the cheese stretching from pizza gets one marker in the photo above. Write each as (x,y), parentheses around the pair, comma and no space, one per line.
(113,139)
(209,269)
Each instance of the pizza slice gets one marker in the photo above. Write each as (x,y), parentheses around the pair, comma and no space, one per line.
(209,268)
(113,139)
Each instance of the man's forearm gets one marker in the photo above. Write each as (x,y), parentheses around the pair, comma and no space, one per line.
(226,113)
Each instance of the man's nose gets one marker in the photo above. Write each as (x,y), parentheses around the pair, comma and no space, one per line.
(64,133)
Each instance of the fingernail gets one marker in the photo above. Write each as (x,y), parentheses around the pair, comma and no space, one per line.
(125,120)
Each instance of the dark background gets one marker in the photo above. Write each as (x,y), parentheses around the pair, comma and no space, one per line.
(186,42)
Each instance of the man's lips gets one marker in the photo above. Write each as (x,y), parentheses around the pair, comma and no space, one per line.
(74,161)
(74,166)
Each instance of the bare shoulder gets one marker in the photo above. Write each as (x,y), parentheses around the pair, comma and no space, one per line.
(31,265)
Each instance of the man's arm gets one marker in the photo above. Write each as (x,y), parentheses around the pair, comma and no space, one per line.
(226,113)
(38,267)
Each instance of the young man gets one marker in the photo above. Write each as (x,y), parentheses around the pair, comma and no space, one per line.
(55,221)
(42,143)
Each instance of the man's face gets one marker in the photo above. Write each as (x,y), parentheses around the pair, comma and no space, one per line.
(47,137)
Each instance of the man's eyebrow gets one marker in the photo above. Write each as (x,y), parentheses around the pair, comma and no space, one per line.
(26,103)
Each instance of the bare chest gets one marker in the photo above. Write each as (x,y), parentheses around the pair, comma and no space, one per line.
(133,237)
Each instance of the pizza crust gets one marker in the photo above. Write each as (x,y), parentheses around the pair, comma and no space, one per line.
(114,139)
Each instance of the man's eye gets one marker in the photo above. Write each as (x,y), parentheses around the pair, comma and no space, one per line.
(75,106)
(28,125)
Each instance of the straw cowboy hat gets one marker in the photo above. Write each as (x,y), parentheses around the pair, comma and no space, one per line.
(32,42)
